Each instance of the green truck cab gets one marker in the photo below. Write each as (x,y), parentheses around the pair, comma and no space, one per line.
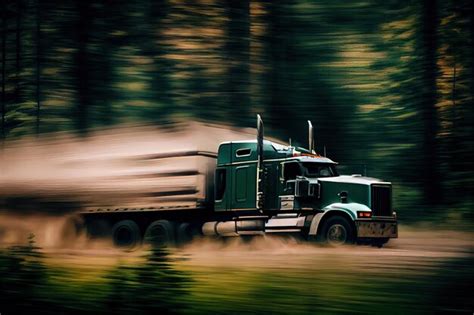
(285,189)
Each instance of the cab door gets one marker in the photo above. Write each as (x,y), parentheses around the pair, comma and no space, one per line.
(244,187)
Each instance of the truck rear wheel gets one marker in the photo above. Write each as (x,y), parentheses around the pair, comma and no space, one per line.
(337,231)
(160,233)
(126,234)
(186,232)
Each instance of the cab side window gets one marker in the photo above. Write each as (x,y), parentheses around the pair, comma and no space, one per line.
(291,170)
(220,183)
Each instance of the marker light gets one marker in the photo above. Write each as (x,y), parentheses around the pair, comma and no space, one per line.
(310,155)
(364,214)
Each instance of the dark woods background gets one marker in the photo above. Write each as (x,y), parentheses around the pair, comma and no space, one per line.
(388,84)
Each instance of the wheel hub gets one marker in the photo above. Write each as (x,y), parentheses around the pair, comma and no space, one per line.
(337,234)
(123,236)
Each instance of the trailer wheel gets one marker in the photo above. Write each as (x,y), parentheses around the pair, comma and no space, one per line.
(126,234)
(160,233)
(337,231)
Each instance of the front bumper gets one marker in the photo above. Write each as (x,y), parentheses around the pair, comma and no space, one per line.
(377,228)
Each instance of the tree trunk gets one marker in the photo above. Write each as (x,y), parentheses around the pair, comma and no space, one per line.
(38,66)
(18,51)
(431,178)
(238,56)
(82,67)
(4,34)
(279,50)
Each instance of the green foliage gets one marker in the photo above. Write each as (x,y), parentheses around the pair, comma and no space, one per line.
(30,286)
(61,283)
(24,280)
(152,288)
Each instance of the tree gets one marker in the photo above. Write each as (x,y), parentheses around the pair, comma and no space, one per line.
(4,39)
(237,54)
(430,172)
(82,66)
(38,65)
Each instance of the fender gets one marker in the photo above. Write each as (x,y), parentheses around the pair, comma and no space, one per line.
(348,208)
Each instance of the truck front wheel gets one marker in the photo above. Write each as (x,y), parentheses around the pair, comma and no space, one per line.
(337,231)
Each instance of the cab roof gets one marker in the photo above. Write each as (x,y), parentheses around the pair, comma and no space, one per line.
(246,151)
(319,159)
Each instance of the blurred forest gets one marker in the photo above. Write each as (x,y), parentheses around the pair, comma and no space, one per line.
(388,84)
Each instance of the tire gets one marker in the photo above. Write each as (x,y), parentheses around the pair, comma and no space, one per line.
(126,234)
(186,232)
(160,233)
(337,231)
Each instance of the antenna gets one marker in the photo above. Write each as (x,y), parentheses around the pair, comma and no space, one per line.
(325,151)
(310,137)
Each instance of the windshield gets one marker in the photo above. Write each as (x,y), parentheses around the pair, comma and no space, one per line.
(312,169)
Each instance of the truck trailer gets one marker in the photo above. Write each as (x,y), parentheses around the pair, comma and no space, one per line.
(257,187)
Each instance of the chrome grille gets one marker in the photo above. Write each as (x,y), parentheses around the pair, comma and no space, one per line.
(382,200)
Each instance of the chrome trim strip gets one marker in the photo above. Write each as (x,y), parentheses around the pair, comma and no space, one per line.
(237,163)
(276,222)
(282,230)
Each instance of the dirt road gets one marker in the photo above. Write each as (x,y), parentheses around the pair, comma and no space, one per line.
(422,272)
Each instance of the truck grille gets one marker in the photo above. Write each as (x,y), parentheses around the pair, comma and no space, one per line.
(381,200)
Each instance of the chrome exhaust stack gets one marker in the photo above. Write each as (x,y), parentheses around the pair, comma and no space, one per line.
(311,147)
(260,173)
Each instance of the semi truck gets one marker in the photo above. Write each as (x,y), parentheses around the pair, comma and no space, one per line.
(258,187)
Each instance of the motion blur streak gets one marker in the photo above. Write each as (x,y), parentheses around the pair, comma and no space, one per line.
(109,168)
(49,231)
(388,85)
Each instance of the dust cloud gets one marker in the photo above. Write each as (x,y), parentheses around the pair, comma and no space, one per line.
(46,231)
(117,167)
(415,249)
